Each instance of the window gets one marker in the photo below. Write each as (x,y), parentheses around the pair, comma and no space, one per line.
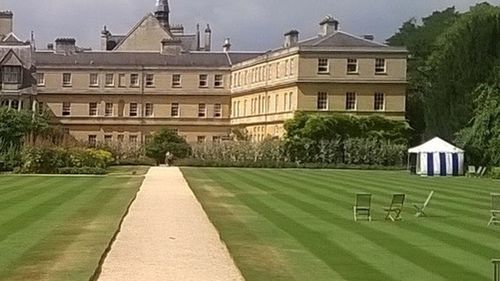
(202,110)
(40,79)
(174,111)
(290,101)
(93,109)
(110,80)
(93,80)
(292,65)
(92,140)
(133,139)
(109,110)
(11,74)
(352,66)
(150,80)
(149,109)
(203,81)
(216,138)
(201,139)
(134,80)
(108,139)
(41,108)
(176,81)
(217,110)
(66,109)
(322,101)
(323,65)
(121,80)
(66,79)
(350,101)
(133,110)
(120,138)
(276,103)
(148,139)
(219,81)
(379,103)
(285,101)
(380,66)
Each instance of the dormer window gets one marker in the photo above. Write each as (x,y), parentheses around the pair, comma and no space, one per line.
(11,74)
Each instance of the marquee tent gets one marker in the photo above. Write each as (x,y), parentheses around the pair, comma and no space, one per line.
(438,158)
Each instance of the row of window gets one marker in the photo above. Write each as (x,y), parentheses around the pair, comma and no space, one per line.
(134,139)
(133,80)
(261,104)
(263,73)
(351,101)
(352,66)
(11,74)
(148,110)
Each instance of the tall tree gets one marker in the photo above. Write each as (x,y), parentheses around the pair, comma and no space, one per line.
(466,55)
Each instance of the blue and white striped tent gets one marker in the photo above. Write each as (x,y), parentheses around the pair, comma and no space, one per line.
(438,158)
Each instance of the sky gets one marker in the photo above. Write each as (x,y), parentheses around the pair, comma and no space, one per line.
(252,25)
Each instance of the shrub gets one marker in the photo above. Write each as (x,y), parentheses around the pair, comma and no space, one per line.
(164,141)
(9,159)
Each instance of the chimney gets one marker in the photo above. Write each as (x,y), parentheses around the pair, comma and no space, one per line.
(291,39)
(328,26)
(227,45)
(105,34)
(208,39)
(171,47)
(369,37)
(6,23)
(65,46)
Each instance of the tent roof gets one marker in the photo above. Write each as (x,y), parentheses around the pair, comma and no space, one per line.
(435,145)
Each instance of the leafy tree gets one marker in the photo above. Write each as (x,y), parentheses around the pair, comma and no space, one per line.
(465,56)
(15,126)
(420,40)
(481,139)
(164,141)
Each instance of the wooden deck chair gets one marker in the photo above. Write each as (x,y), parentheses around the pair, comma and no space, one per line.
(483,172)
(479,171)
(420,208)
(471,171)
(362,206)
(396,207)
(495,208)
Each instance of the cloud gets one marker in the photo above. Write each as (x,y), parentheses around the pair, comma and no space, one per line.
(251,25)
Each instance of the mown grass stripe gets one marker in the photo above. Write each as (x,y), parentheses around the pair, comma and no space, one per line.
(397,246)
(325,250)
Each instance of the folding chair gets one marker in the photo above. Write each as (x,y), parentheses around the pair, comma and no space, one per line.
(495,208)
(471,171)
(420,208)
(479,171)
(483,172)
(362,206)
(396,207)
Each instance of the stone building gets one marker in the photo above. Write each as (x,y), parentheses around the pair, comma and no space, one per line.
(17,88)
(158,76)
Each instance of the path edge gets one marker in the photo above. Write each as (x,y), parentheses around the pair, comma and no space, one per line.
(104,255)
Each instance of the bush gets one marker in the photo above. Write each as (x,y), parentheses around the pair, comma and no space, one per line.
(9,159)
(81,171)
(141,161)
(48,160)
(164,141)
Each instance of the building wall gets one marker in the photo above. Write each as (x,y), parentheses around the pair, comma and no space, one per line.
(146,37)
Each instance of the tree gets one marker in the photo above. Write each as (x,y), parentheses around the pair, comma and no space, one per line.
(15,126)
(465,56)
(164,141)
(481,139)
(420,40)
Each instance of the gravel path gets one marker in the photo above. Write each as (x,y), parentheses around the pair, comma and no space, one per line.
(168,236)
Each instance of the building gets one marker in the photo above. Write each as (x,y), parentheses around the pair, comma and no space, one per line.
(157,76)
(17,88)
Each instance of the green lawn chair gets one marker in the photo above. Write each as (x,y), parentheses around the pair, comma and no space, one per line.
(362,206)
(396,207)
(495,208)
(421,207)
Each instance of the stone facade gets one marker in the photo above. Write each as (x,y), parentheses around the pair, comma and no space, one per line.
(156,76)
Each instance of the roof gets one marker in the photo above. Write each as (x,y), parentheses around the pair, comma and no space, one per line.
(193,59)
(436,145)
(341,39)
(21,52)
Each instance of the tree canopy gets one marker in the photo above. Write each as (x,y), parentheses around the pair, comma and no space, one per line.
(164,141)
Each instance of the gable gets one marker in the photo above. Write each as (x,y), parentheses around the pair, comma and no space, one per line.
(11,59)
(11,38)
(145,36)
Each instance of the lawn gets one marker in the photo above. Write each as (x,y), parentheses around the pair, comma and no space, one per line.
(57,227)
(298,225)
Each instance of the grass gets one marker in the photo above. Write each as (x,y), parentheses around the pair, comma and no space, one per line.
(297,224)
(57,227)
